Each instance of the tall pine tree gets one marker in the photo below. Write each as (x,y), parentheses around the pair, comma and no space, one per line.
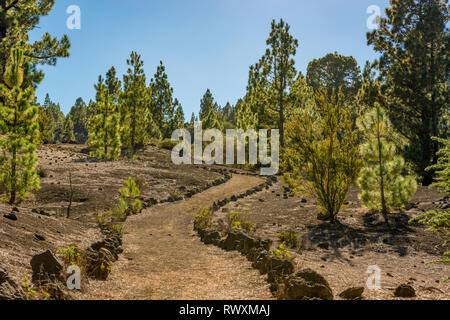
(67,134)
(414,66)
(276,71)
(18,127)
(162,105)
(103,126)
(17,20)
(136,118)
(206,105)
(381,181)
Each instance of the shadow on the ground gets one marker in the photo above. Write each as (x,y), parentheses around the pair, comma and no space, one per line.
(374,230)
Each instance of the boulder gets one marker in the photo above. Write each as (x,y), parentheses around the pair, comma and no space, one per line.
(279,269)
(9,289)
(324,245)
(209,236)
(305,285)
(239,240)
(45,267)
(97,264)
(10,216)
(261,262)
(254,253)
(56,291)
(405,291)
(352,293)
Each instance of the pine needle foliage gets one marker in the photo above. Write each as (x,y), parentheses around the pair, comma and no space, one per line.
(103,126)
(324,144)
(381,181)
(18,127)
(440,221)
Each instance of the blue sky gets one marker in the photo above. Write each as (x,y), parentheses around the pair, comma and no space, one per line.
(203,43)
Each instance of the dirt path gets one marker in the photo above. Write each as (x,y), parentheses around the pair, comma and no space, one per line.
(164,259)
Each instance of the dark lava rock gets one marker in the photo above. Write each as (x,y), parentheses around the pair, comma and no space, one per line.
(97,263)
(209,236)
(278,269)
(324,245)
(43,213)
(10,216)
(39,237)
(306,284)
(45,267)
(405,291)
(9,290)
(241,241)
(352,293)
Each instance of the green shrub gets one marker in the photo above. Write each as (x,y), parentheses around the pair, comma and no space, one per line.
(202,220)
(118,228)
(288,237)
(128,196)
(322,152)
(27,287)
(71,255)
(282,252)
(103,219)
(235,222)
(168,144)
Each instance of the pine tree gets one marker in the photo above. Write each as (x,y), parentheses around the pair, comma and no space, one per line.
(439,221)
(301,97)
(67,134)
(80,115)
(246,118)
(162,103)
(193,120)
(211,121)
(335,71)
(103,126)
(55,121)
(324,143)
(178,120)
(206,105)
(275,72)
(43,126)
(228,116)
(136,118)
(414,67)
(17,20)
(381,181)
(18,126)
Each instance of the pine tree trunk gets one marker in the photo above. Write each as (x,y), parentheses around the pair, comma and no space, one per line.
(384,210)
(12,197)
(133,129)
(427,150)
(281,123)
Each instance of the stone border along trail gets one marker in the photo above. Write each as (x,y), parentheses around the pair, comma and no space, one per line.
(164,259)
